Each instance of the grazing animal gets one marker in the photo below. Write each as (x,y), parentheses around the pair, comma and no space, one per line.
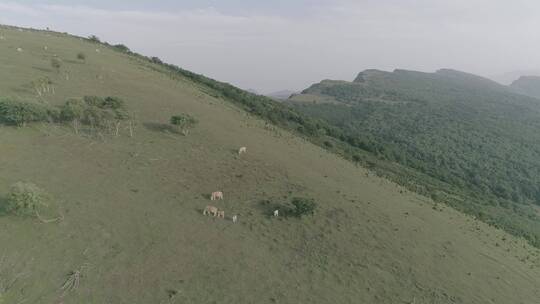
(210,210)
(216,195)
(97,51)
(276,212)
(45,48)
(19,50)
(221,214)
(234,218)
(242,150)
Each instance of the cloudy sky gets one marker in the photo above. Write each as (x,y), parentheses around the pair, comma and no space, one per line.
(270,45)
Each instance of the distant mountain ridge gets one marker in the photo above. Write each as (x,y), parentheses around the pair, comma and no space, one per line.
(403,86)
(527,85)
(464,135)
(283,94)
(509,77)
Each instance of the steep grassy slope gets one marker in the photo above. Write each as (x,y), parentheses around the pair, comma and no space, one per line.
(472,142)
(527,85)
(132,206)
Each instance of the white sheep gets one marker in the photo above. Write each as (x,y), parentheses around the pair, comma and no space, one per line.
(234,218)
(276,212)
(242,150)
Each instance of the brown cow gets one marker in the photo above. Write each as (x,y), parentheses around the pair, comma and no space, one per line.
(210,210)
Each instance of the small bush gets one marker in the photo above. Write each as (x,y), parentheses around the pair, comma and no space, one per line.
(94,38)
(73,111)
(183,122)
(53,114)
(303,206)
(21,113)
(98,112)
(298,207)
(122,48)
(156,60)
(97,117)
(25,198)
(81,56)
(111,106)
(113,103)
(95,101)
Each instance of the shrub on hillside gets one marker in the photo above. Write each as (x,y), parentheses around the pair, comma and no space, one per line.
(107,109)
(122,48)
(303,206)
(110,106)
(73,111)
(25,198)
(298,207)
(93,101)
(97,117)
(156,60)
(94,38)
(98,112)
(113,103)
(183,122)
(21,113)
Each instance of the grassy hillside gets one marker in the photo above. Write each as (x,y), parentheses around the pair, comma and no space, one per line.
(527,85)
(131,228)
(467,140)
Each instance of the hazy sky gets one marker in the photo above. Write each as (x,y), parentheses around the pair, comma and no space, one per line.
(270,45)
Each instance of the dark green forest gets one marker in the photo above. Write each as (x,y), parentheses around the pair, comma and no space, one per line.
(468,141)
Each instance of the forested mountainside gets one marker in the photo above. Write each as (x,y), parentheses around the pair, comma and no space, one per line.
(527,85)
(474,143)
